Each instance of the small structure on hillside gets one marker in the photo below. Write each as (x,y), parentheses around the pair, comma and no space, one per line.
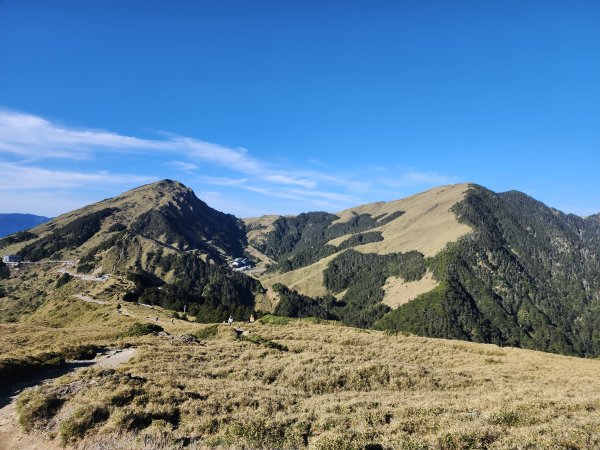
(12,259)
(240,264)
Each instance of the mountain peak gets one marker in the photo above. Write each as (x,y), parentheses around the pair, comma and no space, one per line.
(160,217)
(162,187)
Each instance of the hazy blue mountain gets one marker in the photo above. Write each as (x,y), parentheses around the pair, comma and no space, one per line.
(11,223)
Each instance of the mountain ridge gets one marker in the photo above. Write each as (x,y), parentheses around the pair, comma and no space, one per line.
(457,261)
(521,274)
(165,215)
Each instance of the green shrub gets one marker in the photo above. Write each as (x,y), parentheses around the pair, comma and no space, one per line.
(138,420)
(84,352)
(63,279)
(301,240)
(210,292)
(4,272)
(476,439)
(86,266)
(294,304)
(16,238)
(141,329)
(208,332)
(116,227)
(28,364)
(274,320)
(506,418)
(70,235)
(125,395)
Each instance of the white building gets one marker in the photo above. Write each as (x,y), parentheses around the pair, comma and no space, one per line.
(12,259)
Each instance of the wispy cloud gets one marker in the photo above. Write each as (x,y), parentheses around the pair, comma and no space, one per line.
(224,181)
(17,177)
(30,136)
(414,178)
(34,137)
(183,166)
(33,147)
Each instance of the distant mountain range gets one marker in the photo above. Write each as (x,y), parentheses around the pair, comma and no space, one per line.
(11,223)
(458,262)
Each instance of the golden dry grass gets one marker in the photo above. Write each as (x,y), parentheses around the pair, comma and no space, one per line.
(306,280)
(427,226)
(325,386)
(398,291)
(258,227)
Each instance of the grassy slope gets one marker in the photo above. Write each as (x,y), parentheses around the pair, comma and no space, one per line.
(427,226)
(327,386)
(335,387)
(132,246)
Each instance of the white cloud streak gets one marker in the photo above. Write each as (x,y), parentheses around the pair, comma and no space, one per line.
(413,178)
(16,177)
(37,142)
(183,166)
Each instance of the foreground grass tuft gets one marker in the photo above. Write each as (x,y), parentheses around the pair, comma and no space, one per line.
(142,329)
(258,340)
(80,421)
(274,320)
(207,332)
(35,408)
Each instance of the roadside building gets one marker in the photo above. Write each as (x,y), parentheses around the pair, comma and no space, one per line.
(12,259)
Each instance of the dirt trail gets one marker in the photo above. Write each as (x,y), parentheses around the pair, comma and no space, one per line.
(84,277)
(88,299)
(11,436)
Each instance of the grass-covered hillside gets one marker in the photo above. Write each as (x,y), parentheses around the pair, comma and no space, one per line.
(305,252)
(119,232)
(304,384)
(165,245)
(279,383)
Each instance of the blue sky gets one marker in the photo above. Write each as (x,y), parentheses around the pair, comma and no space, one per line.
(281,107)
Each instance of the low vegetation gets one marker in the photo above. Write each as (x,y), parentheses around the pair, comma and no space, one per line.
(26,364)
(4,271)
(188,222)
(142,329)
(358,279)
(292,383)
(36,408)
(293,304)
(88,261)
(17,238)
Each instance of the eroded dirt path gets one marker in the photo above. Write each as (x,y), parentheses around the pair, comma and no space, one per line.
(88,299)
(11,436)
